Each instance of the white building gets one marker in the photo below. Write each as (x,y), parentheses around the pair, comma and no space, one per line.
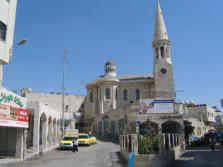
(7,23)
(44,128)
(13,114)
(72,104)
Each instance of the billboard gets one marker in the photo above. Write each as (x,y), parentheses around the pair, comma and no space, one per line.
(221,102)
(14,117)
(148,106)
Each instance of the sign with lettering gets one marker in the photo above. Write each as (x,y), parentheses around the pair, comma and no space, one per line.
(105,117)
(11,99)
(148,106)
(14,117)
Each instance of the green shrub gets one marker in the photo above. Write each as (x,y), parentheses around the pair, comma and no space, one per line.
(147,145)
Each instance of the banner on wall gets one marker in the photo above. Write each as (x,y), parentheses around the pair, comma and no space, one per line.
(148,106)
(14,117)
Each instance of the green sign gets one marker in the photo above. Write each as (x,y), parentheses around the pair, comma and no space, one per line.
(9,98)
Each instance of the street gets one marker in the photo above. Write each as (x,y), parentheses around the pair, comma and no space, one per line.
(199,158)
(103,154)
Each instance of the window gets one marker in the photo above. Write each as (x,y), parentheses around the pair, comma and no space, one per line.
(91,97)
(116,93)
(107,93)
(3,29)
(162,52)
(125,95)
(137,94)
(67,108)
(157,53)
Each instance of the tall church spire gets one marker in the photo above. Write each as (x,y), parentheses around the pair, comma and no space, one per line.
(160,32)
(163,70)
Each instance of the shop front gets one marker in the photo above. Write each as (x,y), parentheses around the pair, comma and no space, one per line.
(14,120)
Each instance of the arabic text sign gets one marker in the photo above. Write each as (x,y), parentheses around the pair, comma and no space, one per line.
(156,106)
(164,106)
(12,99)
(14,117)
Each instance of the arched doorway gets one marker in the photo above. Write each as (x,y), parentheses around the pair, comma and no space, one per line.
(42,129)
(148,128)
(58,131)
(50,131)
(54,130)
(171,127)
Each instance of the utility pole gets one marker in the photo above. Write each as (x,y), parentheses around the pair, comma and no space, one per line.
(63,88)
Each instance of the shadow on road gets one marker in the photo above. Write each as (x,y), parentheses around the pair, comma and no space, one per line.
(199,158)
(117,159)
(108,140)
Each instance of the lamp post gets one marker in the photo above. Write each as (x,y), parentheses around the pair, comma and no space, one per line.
(63,88)
(178,91)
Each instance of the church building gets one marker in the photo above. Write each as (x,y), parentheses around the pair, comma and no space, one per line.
(114,103)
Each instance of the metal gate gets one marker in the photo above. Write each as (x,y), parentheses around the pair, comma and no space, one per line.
(121,126)
(8,142)
(112,128)
(105,127)
(100,128)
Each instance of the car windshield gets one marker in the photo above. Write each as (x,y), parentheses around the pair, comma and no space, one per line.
(83,137)
(68,138)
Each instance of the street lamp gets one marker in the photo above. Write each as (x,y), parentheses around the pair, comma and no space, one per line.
(21,42)
(63,88)
(178,91)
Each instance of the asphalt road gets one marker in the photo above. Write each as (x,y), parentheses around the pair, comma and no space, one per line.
(103,154)
(199,158)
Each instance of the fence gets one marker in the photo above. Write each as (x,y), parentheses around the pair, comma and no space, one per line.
(167,142)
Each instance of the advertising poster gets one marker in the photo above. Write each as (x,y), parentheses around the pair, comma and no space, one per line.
(13,117)
(164,106)
(148,106)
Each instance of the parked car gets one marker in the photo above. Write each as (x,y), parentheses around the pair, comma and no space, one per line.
(67,142)
(93,140)
(84,139)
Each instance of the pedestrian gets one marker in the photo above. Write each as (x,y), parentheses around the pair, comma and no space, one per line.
(212,144)
(220,146)
(75,145)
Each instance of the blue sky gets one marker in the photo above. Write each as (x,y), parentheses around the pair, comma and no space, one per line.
(93,31)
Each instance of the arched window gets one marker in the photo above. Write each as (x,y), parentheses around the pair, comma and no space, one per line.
(107,93)
(125,95)
(157,53)
(162,51)
(137,94)
(91,97)
(116,93)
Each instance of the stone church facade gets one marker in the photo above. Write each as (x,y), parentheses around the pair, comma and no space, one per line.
(112,102)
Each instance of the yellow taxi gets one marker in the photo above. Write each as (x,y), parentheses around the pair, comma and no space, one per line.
(93,140)
(84,139)
(67,142)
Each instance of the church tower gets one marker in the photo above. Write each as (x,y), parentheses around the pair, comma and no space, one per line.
(163,70)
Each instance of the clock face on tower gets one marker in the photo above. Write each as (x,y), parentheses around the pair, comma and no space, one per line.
(163,70)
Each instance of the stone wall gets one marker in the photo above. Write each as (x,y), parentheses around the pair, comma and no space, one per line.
(169,149)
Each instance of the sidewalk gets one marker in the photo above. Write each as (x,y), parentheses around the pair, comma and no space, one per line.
(30,155)
(5,161)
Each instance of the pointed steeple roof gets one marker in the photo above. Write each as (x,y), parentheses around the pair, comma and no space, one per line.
(160,28)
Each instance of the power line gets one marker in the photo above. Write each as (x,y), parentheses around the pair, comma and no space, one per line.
(72,52)
(205,86)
